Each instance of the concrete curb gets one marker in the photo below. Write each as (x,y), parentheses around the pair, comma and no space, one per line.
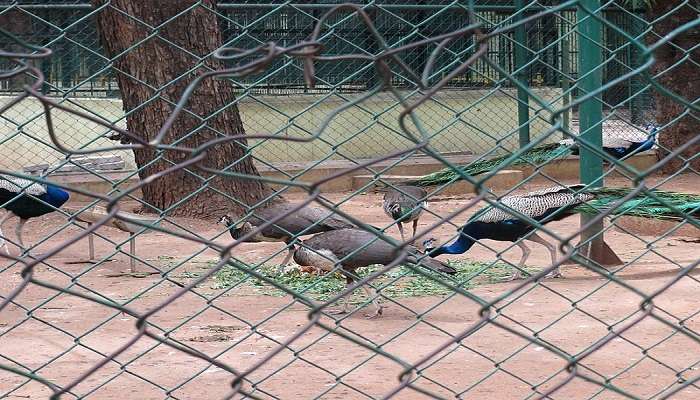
(565,169)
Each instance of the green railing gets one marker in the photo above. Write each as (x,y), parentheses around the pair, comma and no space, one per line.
(170,305)
(79,70)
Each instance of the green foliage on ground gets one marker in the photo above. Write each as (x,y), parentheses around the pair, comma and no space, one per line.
(397,283)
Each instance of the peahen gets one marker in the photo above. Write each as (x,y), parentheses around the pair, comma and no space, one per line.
(306,221)
(615,146)
(405,204)
(345,247)
(554,204)
(26,199)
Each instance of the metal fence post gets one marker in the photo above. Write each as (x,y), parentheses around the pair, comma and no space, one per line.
(565,79)
(520,50)
(591,126)
(638,103)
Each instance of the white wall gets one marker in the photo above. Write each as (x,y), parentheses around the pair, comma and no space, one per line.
(460,120)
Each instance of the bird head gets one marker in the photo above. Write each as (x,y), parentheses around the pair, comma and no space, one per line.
(226,220)
(428,245)
(237,230)
(653,133)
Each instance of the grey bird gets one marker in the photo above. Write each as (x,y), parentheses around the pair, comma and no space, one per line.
(405,204)
(306,221)
(326,250)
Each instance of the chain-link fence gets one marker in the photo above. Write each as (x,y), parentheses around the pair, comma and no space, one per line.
(79,75)
(137,126)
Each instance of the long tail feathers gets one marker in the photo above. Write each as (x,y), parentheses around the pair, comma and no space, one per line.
(669,206)
(535,156)
(538,155)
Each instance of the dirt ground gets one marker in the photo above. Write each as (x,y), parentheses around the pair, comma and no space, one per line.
(59,336)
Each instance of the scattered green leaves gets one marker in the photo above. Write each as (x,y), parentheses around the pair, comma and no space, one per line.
(399,282)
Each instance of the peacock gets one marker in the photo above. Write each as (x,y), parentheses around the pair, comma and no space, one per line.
(619,147)
(615,146)
(26,199)
(405,204)
(349,248)
(306,221)
(556,203)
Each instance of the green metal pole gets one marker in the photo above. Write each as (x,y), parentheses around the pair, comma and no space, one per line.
(635,57)
(590,79)
(590,125)
(523,76)
(565,82)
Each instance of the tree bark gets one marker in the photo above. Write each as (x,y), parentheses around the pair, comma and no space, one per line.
(683,79)
(18,23)
(152,74)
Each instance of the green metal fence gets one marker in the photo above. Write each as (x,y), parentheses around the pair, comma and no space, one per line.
(171,306)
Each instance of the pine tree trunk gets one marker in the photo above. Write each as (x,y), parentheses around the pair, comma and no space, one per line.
(683,79)
(145,74)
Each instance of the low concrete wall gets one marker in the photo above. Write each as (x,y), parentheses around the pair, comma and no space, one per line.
(467,121)
(566,169)
(25,138)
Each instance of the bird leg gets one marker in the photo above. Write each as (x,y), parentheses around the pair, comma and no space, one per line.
(372,294)
(552,252)
(4,219)
(344,310)
(526,253)
(415,227)
(400,225)
(18,231)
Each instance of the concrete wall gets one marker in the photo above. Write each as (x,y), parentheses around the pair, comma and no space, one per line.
(471,121)
(24,138)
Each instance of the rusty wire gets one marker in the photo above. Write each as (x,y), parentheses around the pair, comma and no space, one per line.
(310,52)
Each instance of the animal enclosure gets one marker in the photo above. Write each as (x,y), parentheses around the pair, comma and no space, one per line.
(139,293)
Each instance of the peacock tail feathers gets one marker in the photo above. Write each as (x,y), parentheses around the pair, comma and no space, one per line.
(535,156)
(543,154)
(642,204)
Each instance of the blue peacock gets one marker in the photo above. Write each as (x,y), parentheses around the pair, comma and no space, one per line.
(619,147)
(556,203)
(615,146)
(26,199)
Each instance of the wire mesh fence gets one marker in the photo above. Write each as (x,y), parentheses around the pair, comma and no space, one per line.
(80,75)
(254,114)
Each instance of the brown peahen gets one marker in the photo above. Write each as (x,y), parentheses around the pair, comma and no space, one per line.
(344,247)
(405,204)
(306,221)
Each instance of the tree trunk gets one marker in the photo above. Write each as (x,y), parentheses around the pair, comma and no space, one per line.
(152,76)
(683,79)
(19,24)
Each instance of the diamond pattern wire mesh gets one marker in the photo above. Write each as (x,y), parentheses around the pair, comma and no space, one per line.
(82,71)
(209,318)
